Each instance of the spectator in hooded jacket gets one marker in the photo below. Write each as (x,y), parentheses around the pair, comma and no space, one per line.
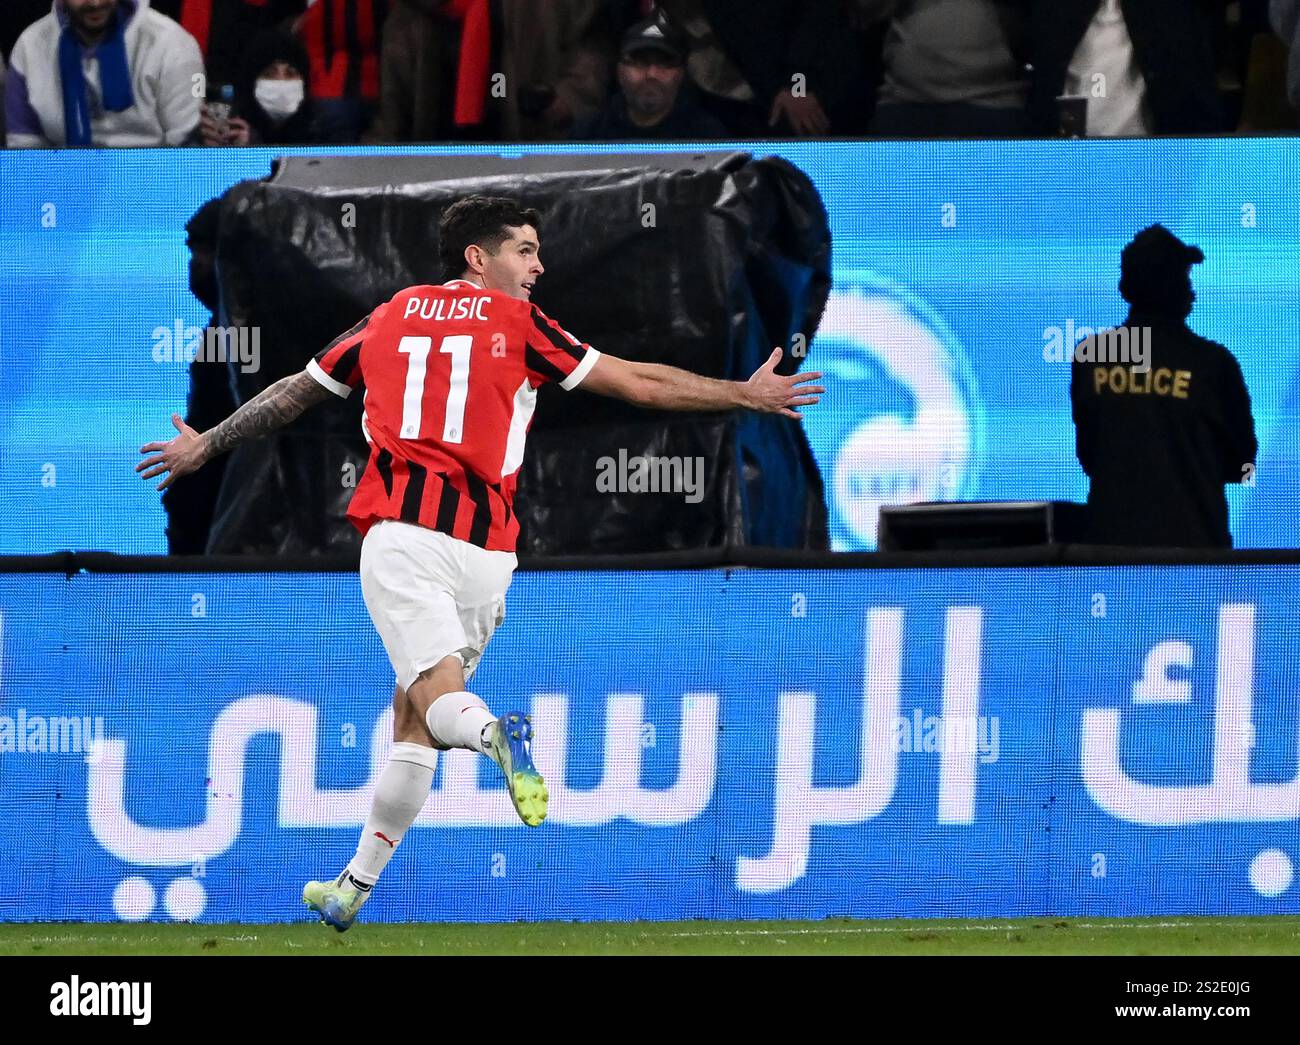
(102,72)
(16,16)
(224,28)
(273,105)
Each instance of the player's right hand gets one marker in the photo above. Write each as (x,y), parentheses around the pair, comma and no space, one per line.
(179,456)
(772,393)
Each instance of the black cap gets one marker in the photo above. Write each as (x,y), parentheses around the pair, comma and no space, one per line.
(266,48)
(1155,247)
(1155,272)
(654,34)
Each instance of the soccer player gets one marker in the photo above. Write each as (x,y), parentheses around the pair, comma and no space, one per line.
(451,375)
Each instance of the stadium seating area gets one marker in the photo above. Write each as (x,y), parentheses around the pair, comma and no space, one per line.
(246,72)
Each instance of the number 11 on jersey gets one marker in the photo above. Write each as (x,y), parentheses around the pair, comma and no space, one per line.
(417,348)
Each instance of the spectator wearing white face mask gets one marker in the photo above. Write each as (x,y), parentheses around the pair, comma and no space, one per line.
(272,103)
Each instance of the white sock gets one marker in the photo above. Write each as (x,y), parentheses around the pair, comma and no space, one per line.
(400,794)
(458,720)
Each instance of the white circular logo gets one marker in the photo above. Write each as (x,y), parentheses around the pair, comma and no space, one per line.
(894,360)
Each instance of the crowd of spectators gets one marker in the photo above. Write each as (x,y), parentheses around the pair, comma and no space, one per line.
(281,72)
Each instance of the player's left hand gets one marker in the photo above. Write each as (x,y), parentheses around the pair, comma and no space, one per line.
(773,393)
(180,456)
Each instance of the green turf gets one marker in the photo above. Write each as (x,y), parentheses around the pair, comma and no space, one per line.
(1136,936)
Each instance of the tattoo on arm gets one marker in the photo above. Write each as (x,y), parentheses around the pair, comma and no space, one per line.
(271,409)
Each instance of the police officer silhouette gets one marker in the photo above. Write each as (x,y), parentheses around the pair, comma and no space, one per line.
(1162,417)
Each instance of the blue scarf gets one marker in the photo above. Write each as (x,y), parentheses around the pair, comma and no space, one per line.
(114,79)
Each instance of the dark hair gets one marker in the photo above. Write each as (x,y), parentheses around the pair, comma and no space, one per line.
(201,230)
(264,49)
(484,221)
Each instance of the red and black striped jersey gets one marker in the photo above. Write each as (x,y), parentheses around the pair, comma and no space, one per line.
(343,40)
(451,375)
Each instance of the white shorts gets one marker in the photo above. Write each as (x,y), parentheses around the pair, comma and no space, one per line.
(432,596)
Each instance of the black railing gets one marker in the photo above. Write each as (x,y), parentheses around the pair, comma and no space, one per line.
(71,563)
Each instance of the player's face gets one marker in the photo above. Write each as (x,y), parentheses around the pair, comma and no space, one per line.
(514,268)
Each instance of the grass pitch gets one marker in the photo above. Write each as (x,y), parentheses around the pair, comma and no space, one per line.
(836,936)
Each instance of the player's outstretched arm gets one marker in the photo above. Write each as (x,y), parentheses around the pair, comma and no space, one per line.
(668,388)
(270,409)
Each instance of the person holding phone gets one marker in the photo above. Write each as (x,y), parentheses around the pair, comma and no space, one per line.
(270,102)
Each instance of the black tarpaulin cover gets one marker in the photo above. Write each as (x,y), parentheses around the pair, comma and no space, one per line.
(704,262)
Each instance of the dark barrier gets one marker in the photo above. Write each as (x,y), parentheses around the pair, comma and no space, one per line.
(703,262)
(1059,555)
